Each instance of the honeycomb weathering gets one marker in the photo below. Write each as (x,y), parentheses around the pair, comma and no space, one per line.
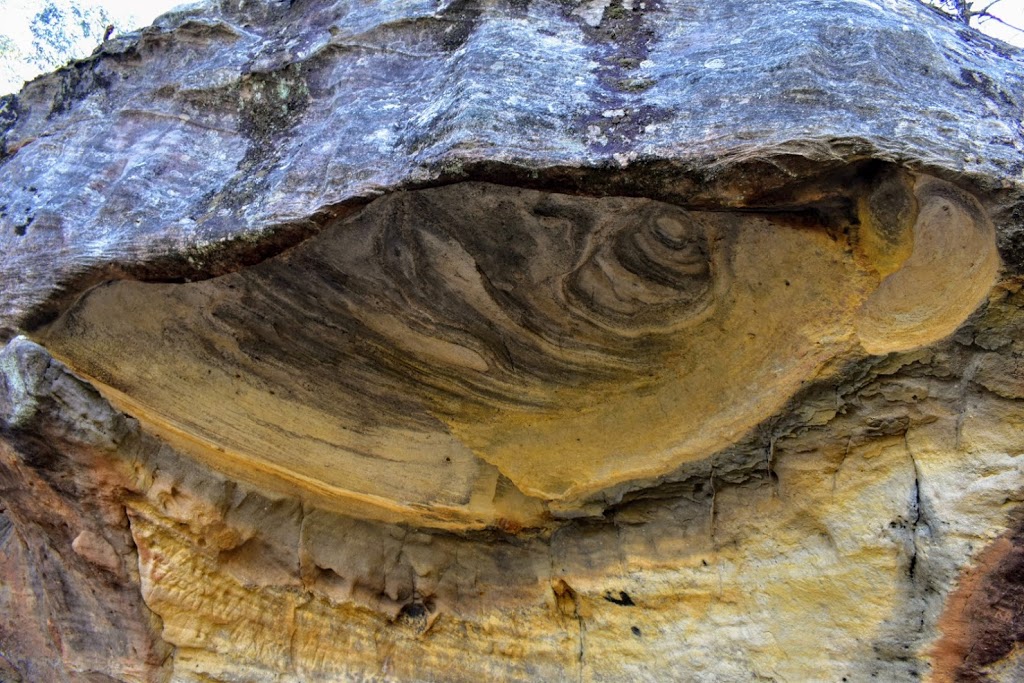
(414,359)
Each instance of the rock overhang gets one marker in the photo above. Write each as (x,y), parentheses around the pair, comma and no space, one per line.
(478,355)
(475,93)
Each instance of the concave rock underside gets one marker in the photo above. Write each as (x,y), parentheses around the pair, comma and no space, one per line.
(515,341)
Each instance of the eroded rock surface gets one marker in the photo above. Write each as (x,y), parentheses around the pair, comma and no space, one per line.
(443,344)
(528,341)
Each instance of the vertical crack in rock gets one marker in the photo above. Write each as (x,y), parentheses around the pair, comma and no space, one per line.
(917,510)
(567,603)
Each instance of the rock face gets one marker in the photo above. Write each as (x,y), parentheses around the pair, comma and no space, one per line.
(516,341)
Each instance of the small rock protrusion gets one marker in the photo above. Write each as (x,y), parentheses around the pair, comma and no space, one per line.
(96,550)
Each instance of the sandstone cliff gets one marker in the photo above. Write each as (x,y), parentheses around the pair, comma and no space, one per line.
(460,341)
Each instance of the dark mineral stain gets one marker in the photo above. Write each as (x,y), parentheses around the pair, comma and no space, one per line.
(414,610)
(623,599)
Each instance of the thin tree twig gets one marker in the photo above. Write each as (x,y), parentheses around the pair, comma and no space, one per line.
(1004,23)
(964,12)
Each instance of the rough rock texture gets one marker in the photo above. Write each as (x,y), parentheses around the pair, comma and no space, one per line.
(603,341)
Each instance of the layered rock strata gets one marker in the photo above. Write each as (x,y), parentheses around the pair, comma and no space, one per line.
(528,341)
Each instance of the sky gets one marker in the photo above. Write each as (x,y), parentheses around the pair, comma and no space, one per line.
(16,66)
(146,11)
(1011,11)
(127,14)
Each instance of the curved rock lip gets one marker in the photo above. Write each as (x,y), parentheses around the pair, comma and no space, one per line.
(222,136)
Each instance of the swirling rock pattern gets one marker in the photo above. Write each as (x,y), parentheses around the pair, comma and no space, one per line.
(440,342)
